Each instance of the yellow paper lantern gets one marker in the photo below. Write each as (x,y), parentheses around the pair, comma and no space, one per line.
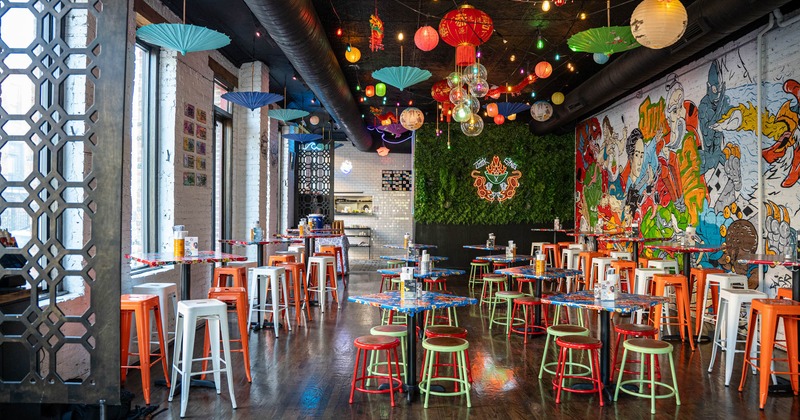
(658,23)
(511,117)
(557,98)
(353,55)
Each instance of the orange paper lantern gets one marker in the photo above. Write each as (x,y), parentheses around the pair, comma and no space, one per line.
(543,70)
(369,91)
(382,151)
(426,38)
(465,28)
(499,119)
(491,110)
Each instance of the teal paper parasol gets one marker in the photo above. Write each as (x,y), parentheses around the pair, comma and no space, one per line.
(302,137)
(182,37)
(401,77)
(252,100)
(287,114)
(606,40)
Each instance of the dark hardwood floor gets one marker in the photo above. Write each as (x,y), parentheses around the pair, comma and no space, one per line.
(306,374)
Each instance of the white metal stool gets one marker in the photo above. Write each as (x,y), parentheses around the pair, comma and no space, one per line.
(581,247)
(730,305)
(322,287)
(537,247)
(669,266)
(189,312)
(723,281)
(274,279)
(621,255)
(601,265)
(289,252)
(641,283)
(300,250)
(166,292)
(569,257)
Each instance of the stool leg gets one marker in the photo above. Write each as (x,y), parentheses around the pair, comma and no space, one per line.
(428,376)
(389,373)
(674,379)
(161,344)
(143,336)
(176,355)
(240,318)
(790,328)
(355,371)
(465,374)
(722,317)
(652,384)
(621,371)
(276,315)
(213,325)
(125,337)
(226,349)
(768,328)
(286,300)
(748,347)
(732,324)
(186,365)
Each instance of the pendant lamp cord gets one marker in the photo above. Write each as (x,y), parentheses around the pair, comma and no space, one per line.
(184,12)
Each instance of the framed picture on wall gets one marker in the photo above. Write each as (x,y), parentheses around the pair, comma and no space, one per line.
(188,179)
(201,148)
(188,111)
(188,127)
(200,132)
(200,163)
(201,116)
(188,144)
(201,180)
(188,161)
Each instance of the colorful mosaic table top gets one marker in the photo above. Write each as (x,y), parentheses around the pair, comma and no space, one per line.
(501,258)
(239,242)
(434,273)
(415,246)
(428,301)
(551,230)
(621,238)
(529,271)
(589,233)
(411,259)
(678,247)
(297,235)
(486,248)
(624,304)
(156,259)
(770,260)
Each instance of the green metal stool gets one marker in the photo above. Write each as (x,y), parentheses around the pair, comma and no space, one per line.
(396,331)
(395,264)
(652,348)
(563,330)
(447,345)
(477,268)
(505,319)
(492,283)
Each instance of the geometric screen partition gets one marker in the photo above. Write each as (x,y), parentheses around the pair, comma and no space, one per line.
(62,72)
(314,179)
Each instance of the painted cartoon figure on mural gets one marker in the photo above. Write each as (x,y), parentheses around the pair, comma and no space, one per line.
(740,239)
(781,237)
(712,106)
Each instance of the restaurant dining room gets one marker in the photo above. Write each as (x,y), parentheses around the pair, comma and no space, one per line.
(416,209)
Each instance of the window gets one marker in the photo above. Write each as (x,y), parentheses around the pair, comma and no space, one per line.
(144,151)
(219,90)
(223,133)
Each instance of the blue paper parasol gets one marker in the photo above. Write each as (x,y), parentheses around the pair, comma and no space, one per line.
(401,77)
(510,108)
(182,37)
(287,114)
(302,137)
(252,100)
(395,129)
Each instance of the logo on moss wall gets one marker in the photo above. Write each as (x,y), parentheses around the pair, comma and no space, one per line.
(495,182)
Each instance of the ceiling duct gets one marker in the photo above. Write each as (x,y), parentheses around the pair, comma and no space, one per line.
(709,22)
(295,27)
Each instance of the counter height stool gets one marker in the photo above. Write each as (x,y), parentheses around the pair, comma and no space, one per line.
(167,294)
(652,348)
(296,278)
(731,302)
(537,247)
(276,259)
(322,269)
(554,332)
(568,343)
(551,253)
(337,252)
(678,283)
(447,345)
(273,279)
(784,293)
(669,266)
(714,282)
(238,276)
(140,306)
(505,319)
(237,297)
(626,270)
(569,257)
(477,269)
(298,250)
(621,255)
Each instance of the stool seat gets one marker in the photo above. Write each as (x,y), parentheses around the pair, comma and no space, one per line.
(564,330)
(642,345)
(389,330)
(580,342)
(448,344)
(651,348)
(448,330)
(528,300)
(375,342)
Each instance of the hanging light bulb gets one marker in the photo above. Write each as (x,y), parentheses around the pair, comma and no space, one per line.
(400,36)
(539,42)
(533,94)
(339,32)
(513,58)
(582,15)
(546,6)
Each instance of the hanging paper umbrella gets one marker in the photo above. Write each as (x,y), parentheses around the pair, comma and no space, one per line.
(252,100)
(510,108)
(182,37)
(401,77)
(302,137)
(606,40)
(395,129)
(287,114)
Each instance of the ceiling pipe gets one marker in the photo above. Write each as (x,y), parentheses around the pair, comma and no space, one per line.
(295,27)
(709,22)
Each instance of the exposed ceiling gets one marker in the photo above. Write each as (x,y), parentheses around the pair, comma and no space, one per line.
(517,23)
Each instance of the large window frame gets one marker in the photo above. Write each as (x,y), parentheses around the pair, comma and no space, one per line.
(223,178)
(149,147)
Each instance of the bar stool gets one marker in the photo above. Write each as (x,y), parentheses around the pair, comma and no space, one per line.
(189,312)
(167,293)
(273,279)
(644,261)
(337,252)
(477,269)
(395,264)
(435,283)
(140,306)
(557,331)
(236,296)
(238,276)
(621,255)
(770,311)
(581,343)
(276,259)
(652,348)
(784,293)
(714,282)
(669,266)
(598,269)
(626,270)
(626,331)
(298,250)
(678,283)
(508,297)
(373,343)
(447,345)
(569,257)
(447,331)
(492,283)
(296,278)
(731,302)
(585,264)
(551,253)
(322,269)
(536,247)
(450,318)
(642,279)
(396,331)
(528,305)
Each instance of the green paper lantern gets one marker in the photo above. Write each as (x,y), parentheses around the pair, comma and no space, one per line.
(380,89)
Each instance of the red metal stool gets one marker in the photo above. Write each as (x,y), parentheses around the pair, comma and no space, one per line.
(236,296)
(771,311)
(528,304)
(337,252)
(498,265)
(624,332)
(238,276)
(364,345)
(141,305)
(436,284)
(446,331)
(578,342)
(295,276)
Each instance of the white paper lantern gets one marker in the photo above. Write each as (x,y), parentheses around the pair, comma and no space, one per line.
(541,111)
(473,126)
(658,23)
(314,120)
(412,118)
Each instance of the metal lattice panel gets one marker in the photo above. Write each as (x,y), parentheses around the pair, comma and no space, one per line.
(60,139)
(314,179)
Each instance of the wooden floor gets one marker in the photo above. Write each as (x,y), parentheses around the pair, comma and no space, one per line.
(306,374)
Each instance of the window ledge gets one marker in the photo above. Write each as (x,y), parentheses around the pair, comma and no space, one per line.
(149,271)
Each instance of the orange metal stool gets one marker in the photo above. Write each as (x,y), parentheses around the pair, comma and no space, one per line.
(784,293)
(771,311)
(141,305)
(296,274)
(236,296)
(624,332)
(338,254)
(552,254)
(274,260)
(238,276)
(627,267)
(585,265)
(578,342)
(697,277)
(683,321)
(643,261)
(364,345)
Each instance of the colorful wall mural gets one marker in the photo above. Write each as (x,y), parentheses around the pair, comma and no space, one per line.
(684,152)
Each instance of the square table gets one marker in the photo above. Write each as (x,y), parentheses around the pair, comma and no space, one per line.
(433,273)
(486,248)
(259,245)
(157,259)
(529,272)
(624,304)
(411,307)
(308,239)
(685,249)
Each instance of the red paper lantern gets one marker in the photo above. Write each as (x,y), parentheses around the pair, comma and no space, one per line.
(369,91)
(426,38)
(499,119)
(559,2)
(440,92)
(543,70)
(465,28)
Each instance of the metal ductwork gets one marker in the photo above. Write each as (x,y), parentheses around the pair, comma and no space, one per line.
(709,22)
(295,27)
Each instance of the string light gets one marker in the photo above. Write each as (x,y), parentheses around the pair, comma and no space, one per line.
(522,70)
(513,57)
(400,36)
(339,32)
(557,57)
(410,103)
(349,48)
(539,42)
(582,16)
(546,5)
(533,94)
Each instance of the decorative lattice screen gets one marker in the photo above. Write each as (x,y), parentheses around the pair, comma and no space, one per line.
(314,179)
